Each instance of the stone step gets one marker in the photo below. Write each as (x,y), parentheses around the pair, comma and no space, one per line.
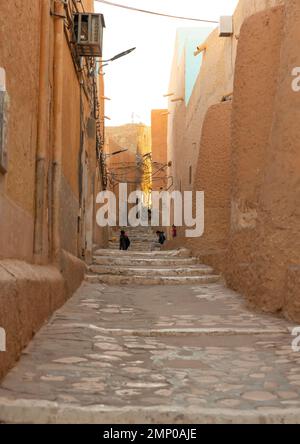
(135,241)
(199,270)
(137,236)
(157,280)
(26,411)
(140,243)
(138,230)
(140,250)
(147,248)
(132,261)
(135,233)
(141,254)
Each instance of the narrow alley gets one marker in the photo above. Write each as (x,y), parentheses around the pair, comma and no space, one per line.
(149,215)
(127,349)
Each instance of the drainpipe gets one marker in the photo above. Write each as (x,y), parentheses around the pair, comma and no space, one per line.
(57,137)
(42,136)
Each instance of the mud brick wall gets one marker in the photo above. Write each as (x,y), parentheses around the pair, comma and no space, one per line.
(213,177)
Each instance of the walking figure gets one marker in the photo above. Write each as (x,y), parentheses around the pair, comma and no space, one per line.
(174,231)
(124,241)
(161,237)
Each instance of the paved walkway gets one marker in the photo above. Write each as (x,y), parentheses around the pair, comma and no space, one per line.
(156,354)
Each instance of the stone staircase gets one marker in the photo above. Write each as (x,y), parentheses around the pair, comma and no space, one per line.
(142,239)
(145,264)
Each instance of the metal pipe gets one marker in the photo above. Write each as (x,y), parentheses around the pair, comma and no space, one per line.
(57,138)
(42,134)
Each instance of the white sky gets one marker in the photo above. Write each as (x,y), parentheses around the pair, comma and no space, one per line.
(137,82)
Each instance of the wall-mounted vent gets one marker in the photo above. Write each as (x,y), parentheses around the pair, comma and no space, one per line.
(226,26)
(88,32)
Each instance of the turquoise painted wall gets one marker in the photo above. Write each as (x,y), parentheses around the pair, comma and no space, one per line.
(188,39)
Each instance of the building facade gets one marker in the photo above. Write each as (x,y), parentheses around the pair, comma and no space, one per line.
(238,134)
(129,158)
(159,138)
(51,138)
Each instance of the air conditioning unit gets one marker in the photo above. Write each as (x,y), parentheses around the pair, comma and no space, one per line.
(226,26)
(88,34)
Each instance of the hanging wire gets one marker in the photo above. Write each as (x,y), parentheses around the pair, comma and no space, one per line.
(145,11)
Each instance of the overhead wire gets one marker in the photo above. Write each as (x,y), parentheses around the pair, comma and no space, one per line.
(161,14)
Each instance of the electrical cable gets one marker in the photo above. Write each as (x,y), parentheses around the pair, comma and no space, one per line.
(131,8)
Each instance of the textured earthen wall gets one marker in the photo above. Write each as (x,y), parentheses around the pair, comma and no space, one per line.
(71,122)
(125,136)
(122,168)
(176,119)
(263,261)
(71,155)
(136,139)
(214,81)
(159,134)
(278,216)
(19,23)
(78,162)
(213,176)
(253,109)
(285,157)
(29,295)
(100,235)
(159,130)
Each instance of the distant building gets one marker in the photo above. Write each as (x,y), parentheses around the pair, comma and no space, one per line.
(128,149)
(159,136)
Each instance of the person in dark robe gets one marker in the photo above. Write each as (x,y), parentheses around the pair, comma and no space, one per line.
(161,237)
(124,241)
